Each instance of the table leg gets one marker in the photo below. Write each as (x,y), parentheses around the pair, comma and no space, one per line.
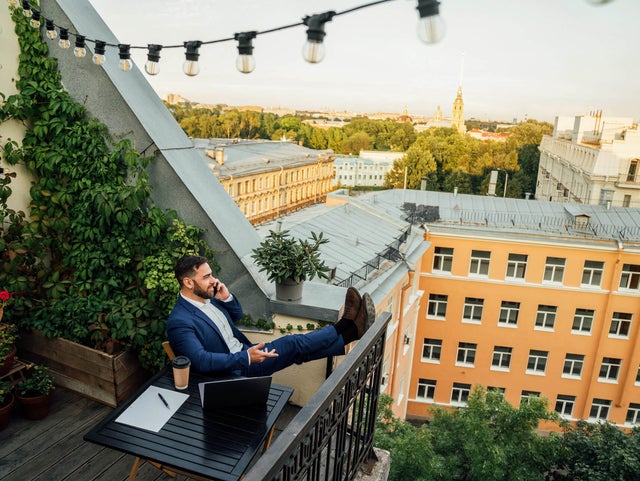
(134,469)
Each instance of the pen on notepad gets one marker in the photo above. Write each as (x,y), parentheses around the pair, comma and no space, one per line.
(164,400)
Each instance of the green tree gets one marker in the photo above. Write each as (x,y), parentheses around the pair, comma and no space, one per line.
(418,163)
(356,142)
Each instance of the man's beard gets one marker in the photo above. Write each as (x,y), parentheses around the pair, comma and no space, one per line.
(198,291)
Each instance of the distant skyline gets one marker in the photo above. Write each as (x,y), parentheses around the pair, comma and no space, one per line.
(521,58)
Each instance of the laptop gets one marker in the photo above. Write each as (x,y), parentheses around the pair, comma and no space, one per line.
(234,392)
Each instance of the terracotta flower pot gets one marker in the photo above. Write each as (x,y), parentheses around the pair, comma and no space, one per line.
(5,412)
(36,407)
(7,364)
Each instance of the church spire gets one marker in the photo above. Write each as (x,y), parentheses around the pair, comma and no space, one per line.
(457,118)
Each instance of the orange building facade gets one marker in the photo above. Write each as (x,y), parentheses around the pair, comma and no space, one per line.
(531,316)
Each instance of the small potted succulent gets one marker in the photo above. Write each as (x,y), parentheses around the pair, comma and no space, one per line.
(7,400)
(289,261)
(8,337)
(35,393)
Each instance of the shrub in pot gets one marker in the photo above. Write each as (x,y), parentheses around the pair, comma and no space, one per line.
(6,403)
(8,337)
(35,393)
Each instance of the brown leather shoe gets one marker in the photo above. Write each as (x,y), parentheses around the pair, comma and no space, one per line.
(352,302)
(366,315)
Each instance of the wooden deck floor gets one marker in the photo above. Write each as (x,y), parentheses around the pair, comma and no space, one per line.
(52,449)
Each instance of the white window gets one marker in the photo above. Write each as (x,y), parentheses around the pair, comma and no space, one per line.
(554,269)
(460,393)
(630,277)
(466,354)
(564,405)
(443,259)
(431,350)
(472,310)
(582,321)
(599,409)
(509,314)
(537,363)
(620,325)
(516,266)
(426,389)
(633,414)
(638,377)
(546,317)
(573,364)
(501,359)
(479,264)
(609,369)
(526,395)
(592,273)
(437,307)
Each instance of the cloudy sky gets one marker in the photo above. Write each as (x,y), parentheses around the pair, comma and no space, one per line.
(515,58)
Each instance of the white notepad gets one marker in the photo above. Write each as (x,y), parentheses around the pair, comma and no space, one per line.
(149,412)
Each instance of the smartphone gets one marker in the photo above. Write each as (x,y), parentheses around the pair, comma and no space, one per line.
(215,290)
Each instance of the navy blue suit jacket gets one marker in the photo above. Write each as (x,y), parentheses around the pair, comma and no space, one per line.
(192,334)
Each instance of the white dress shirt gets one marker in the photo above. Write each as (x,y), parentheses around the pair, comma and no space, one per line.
(220,321)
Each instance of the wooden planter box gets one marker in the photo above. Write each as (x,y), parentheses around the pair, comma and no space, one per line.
(103,377)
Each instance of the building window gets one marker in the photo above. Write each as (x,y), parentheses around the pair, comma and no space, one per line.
(582,321)
(633,171)
(431,350)
(527,395)
(460,393)
(599,409)
(546,317)
(573,366)
(426,389)
(516,266)
(443,259)
(437,307)
(498,389)
(466,354)
(564,405)
(472,310)
(554,269)
(620,325)
(479,264)
(537,363)
(509,314)
(638,377)
(633,414)
(630,277)
(626,201)
(592,273)
(501,359)
(609,369)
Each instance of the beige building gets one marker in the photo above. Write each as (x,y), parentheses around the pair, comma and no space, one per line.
(267,179)
(591,159)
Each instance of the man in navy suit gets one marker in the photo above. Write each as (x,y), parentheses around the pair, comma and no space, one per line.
(202,327)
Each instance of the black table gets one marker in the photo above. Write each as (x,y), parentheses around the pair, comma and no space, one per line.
(217,445)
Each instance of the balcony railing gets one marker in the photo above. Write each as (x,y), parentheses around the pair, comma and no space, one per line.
(332,435)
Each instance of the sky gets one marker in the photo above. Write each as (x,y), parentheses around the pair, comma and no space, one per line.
(514,59)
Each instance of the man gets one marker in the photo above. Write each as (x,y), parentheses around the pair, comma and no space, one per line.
(201,327)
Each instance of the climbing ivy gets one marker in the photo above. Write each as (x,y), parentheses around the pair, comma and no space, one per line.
(94,257)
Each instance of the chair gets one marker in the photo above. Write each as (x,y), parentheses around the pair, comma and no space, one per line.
(168,350)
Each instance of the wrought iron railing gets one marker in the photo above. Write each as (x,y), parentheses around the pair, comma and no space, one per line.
(332,435)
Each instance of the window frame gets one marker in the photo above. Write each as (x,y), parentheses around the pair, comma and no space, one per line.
(463,391)
(501,358)
(515,263)
(512,312)
(537,362)
(596,269)
(471,306)
(543,314)
(609,370)
(554,269)
(442,258)
(480,261)
(565,400)
(435,305)
(583,315)
(576,363)
(630,277)
(620,326)
(434,350)
(427,386)
(599,404)
(466,354)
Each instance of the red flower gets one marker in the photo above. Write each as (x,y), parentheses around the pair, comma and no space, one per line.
(5,297)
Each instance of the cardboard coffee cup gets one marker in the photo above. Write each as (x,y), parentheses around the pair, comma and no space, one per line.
(181,366)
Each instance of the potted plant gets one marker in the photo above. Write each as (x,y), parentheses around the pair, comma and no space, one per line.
(289,261)
(35,393)
(8,337)
(6,403)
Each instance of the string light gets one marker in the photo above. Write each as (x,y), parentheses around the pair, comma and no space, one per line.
(431,27)
(125,57)
(26,9)
(98,54)
(190,66)
(80,51)
(245,62)
(152,67)
(51,29)
(35,19)
(64,38)
(313,50)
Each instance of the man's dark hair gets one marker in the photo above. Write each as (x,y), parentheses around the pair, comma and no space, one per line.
(188,265)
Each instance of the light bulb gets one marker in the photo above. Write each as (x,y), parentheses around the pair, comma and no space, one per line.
(12,2)
(64,38)
(313,51)
(35,19)
(431,27)
(245,63)
(80,50)
(125,63)
(152,67)
(26,9)
(51,29)
(598,2)
(190,66)
(98,54)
